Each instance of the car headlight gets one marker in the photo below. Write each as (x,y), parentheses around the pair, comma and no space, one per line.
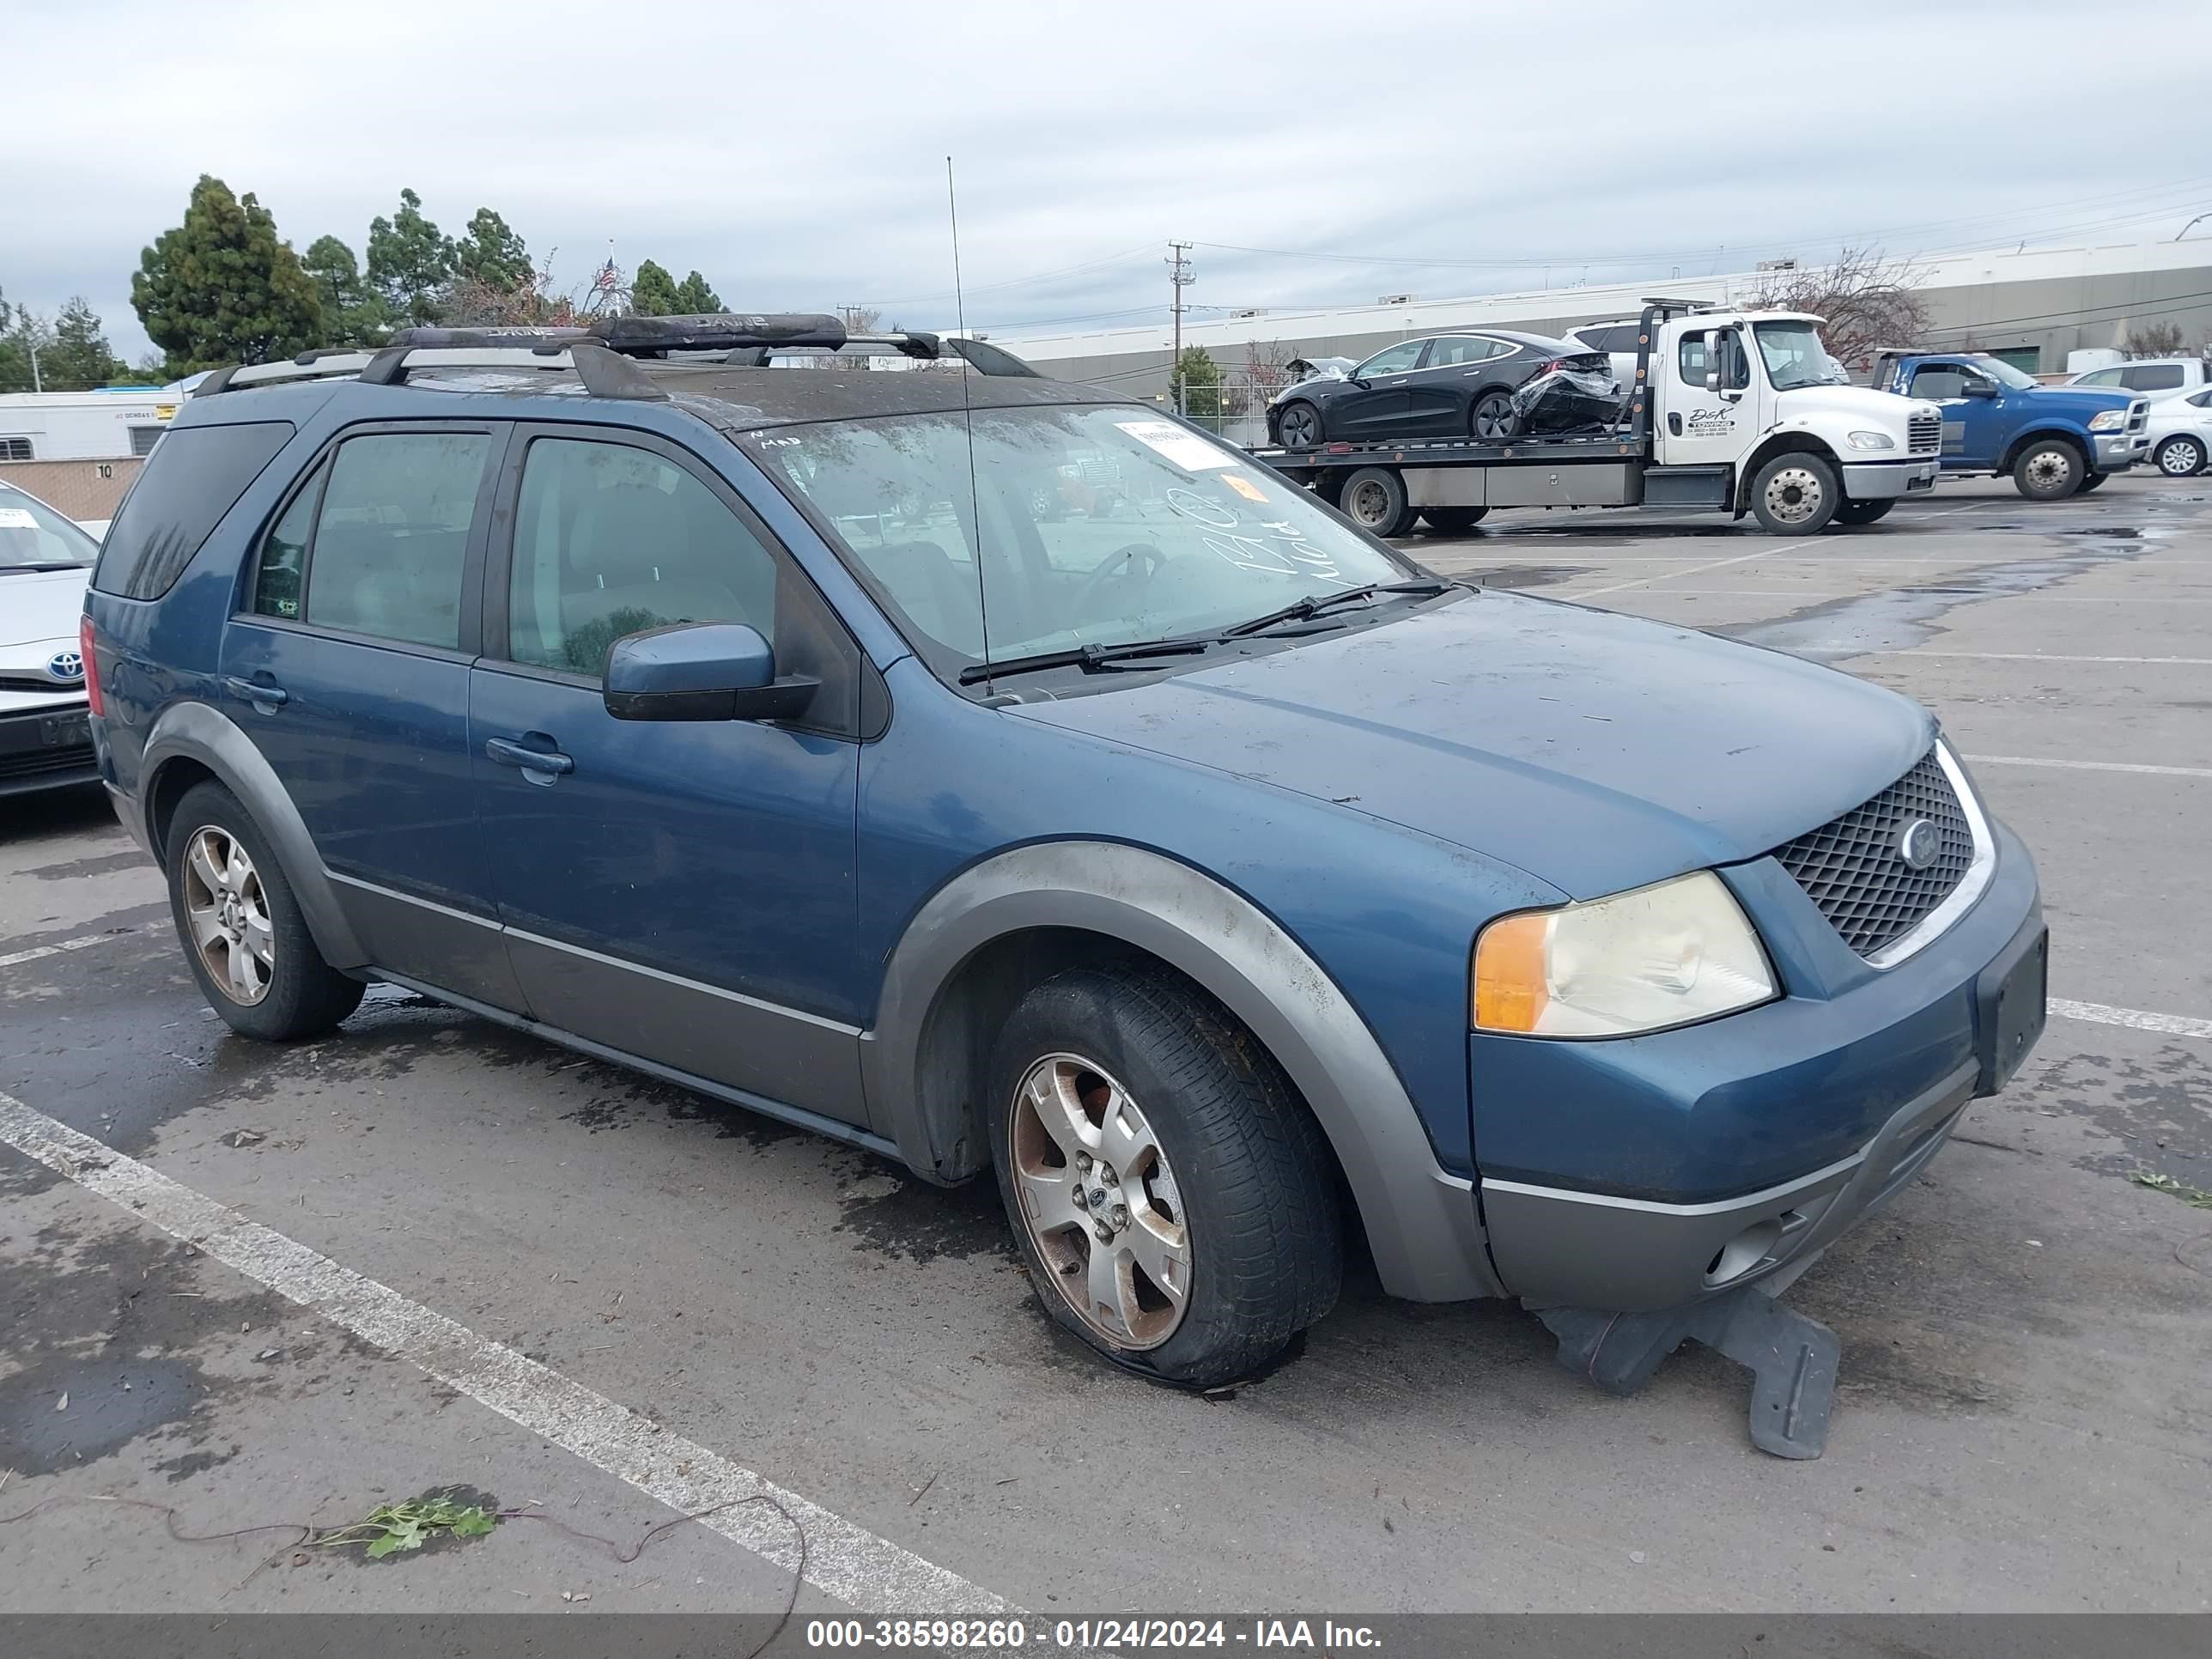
(1872,441)
(2110,420)
(1664,955)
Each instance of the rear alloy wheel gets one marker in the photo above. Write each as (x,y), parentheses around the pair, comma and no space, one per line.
(2048,470)
(245,939)
(1856,513)
(2181,457)
(1298,426)
(1796,495)
(1172,1197)
(1453,520)
(1375,500)
(1493,420)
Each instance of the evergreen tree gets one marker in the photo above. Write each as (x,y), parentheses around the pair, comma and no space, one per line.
(354,313)
(80,357)
(222,288)
(409,260)
(490,254)
(694,298)
(653,292)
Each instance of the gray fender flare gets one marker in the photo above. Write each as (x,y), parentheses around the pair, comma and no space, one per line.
(197,732)
(1421,1222)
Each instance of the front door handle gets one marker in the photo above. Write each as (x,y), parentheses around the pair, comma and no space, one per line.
(267,694)
(551,762)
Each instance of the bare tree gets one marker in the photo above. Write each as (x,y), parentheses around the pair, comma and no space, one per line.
(860,319)
(2154,339)
(1867,302)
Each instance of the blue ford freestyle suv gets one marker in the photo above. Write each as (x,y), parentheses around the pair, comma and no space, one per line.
(999,776)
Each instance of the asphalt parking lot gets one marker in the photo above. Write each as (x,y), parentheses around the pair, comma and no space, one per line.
(599,1297)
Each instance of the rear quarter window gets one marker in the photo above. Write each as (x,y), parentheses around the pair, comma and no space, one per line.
(195,475)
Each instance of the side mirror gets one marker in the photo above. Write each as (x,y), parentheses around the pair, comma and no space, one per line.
(1359,381)
(1979,389)
(1712,339)
(702,671)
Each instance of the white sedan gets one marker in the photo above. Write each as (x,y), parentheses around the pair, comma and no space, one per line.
(46,733)
(2180,434)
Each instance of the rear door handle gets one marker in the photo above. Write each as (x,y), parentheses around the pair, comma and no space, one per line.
(549,762)
(256,691)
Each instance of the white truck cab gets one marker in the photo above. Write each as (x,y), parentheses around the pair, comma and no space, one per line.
(1757,393)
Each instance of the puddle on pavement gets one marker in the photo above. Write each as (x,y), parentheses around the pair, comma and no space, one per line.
(1899,618)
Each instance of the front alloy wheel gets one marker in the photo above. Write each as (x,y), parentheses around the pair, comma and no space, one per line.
(2181,458)
(228,915)
(1100,1202)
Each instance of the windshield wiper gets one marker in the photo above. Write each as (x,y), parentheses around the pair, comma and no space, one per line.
(1306,608)
(1091,659)
(67,565)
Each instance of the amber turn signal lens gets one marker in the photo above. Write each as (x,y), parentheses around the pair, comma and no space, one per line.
(1511,985)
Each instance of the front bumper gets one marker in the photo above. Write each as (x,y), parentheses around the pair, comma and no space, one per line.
(48,747)
(1862,1080)
(1874,481)
(2118,451)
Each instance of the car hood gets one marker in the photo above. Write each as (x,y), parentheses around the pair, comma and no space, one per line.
(1596,752)
(2084,400)
(38,605)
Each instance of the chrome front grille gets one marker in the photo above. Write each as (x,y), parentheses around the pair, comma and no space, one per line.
(2138,416)
(1854,869)
(1924,433)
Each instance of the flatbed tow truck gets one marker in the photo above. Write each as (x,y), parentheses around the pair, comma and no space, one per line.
(1734,411)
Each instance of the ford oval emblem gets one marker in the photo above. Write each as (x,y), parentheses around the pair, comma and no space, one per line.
(65,667)
(1920,843)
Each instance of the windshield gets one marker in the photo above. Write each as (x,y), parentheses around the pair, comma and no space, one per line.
(32,535)
(1098,526)
(2003,372)
(1796,356)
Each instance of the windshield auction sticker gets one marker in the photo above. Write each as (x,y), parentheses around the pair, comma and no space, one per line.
(15,518)
(1186,449)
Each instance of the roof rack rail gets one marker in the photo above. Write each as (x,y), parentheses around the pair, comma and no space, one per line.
(602,354)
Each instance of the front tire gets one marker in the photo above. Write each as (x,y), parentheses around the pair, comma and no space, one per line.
(1858,512)
(2180,456)
(244,936)
(1375,500)
(2049,469)
(1795,494)
(1453,520)
(1171,1192)
(2093,481)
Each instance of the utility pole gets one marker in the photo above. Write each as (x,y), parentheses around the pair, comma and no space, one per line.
(1180,276)
(37,385)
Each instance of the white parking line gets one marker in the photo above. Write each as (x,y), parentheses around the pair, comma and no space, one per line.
(2172,1025)
(843,1559)
(2008,656)
(1717,564)
(56,948)
(2092,766)
(1782,590)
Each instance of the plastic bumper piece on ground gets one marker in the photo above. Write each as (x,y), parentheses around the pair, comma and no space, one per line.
(1792,1359)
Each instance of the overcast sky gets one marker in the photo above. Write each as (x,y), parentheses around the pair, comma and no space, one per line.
(795,153)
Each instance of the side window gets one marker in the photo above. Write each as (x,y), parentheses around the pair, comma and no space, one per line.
(276,584)
(191,481)
(2152,377)
(1735,372)
(1392,360)
(1455,352)
(391,538)
(1621,337)
(1939,382)
(610,540)
(2102,377)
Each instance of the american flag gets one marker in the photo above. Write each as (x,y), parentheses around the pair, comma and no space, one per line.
(609,278)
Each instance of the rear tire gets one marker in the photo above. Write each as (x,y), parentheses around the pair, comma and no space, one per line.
(2048,469)
(1795,494)
(1858,512)
(2180,456)
(1299,426)
(1493,420)
(1210,1172)
(1453,520)
(244,936)
(1375,500)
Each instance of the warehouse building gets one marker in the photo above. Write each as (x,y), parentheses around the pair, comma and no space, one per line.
(2031,305)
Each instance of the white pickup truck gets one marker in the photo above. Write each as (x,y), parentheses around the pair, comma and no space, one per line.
(1739,411)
